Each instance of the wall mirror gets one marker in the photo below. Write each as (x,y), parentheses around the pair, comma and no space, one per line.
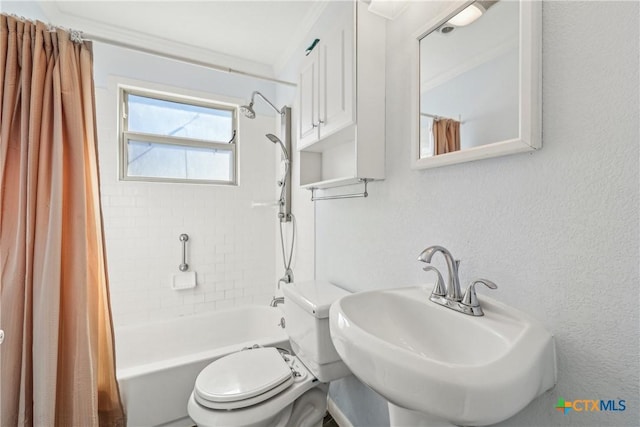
(476,83)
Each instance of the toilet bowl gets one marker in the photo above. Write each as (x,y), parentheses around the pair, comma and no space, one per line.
(265,387)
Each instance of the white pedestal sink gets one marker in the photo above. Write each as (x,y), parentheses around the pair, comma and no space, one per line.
(437,365)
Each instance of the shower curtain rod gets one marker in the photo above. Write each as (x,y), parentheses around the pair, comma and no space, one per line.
(93,37)
(433,116)
(78,35)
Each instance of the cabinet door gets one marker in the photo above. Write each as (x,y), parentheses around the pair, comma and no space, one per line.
(336,79)
(308,102)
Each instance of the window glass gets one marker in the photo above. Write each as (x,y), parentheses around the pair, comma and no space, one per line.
(146,159)
(160,117)
(176,140)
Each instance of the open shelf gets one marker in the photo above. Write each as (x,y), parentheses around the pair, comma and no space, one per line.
(345,141)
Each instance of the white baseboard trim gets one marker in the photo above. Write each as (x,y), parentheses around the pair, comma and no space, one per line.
(337,414)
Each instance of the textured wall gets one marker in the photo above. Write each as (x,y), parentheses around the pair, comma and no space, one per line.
(556,229)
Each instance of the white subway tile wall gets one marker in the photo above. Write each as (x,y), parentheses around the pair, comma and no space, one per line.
(231,246)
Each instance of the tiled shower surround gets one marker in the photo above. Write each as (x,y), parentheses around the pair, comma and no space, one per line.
(231,246)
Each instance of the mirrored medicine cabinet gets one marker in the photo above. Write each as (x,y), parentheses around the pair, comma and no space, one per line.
(476,83)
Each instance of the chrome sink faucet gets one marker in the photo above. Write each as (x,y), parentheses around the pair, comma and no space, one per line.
(453,284)
(451,295)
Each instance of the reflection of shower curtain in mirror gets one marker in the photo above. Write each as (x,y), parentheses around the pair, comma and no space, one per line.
(446,136)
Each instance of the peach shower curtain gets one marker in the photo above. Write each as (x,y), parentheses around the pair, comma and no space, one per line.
(57,361)
(446,136)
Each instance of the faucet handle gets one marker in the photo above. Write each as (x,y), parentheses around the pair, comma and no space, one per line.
(439,288)
(470,298)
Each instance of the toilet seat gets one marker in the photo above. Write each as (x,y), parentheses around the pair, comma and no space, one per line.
(243,379)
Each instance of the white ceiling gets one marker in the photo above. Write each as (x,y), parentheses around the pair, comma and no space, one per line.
(263,32)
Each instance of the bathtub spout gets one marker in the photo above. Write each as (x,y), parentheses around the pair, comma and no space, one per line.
(276,301)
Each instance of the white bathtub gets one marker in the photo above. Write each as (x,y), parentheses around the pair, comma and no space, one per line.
(157,363)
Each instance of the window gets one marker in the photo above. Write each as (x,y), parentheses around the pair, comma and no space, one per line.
(173,139)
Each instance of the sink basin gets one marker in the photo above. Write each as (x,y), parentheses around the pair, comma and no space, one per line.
(423,357)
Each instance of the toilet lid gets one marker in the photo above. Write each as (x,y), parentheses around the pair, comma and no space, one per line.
(243,378)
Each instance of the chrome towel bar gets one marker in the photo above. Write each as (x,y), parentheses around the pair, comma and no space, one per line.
(365,181)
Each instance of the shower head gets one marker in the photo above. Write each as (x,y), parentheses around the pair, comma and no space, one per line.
(277,140)
(248,111)
(273,138)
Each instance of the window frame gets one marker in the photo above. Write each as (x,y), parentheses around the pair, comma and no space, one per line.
(124,135)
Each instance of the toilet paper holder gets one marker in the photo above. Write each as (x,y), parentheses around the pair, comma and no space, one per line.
(184,266)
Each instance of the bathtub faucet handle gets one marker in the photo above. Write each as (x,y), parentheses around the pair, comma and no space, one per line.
(287,278)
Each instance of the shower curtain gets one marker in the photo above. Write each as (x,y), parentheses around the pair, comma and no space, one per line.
(57,362)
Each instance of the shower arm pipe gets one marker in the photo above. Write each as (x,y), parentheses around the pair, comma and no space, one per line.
(253,95)
(94,37)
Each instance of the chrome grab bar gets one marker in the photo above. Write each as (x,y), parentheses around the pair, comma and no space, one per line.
(184,266)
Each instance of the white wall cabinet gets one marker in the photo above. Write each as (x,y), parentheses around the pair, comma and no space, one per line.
(308,107)
(341,101)
(326,85)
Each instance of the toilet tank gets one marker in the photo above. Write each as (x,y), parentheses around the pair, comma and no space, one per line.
(306,312)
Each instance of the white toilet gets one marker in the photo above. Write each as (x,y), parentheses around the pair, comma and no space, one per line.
(265,388)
